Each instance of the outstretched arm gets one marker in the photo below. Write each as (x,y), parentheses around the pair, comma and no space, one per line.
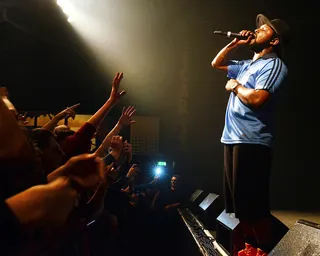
(124,120)
(66,113)
(115,95)
(44,205)
(80,142)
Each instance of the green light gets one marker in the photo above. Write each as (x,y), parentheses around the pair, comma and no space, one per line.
(162,163)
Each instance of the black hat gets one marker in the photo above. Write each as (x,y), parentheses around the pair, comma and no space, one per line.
(279,26)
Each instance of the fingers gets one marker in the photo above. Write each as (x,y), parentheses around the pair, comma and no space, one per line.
(122,93)
(246,33)
(118,77)
(249,34)
(116,139)
(135,168)
(115,78)
(130,111)
(74,106)
(117,144)
(70,113)
(127,147)
(115,95)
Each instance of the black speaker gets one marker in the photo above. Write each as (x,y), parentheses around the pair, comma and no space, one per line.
(197,196)
(209,209)
(228,233)
(302,240)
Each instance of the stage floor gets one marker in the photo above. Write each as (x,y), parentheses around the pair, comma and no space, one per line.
(289,218)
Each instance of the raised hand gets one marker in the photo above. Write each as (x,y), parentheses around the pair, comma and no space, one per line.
(249,34)
(85,171)
(126,116)
(68,112)
(22,119)
(115,95)
(134,169)
(117,146)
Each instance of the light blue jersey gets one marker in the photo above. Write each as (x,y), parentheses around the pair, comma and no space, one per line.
(253,126)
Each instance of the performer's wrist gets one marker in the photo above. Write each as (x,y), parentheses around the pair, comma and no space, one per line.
(235,87)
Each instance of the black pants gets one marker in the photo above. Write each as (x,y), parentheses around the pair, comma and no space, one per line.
(247,169)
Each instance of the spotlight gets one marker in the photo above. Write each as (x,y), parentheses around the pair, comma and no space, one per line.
(60,3)
(66,10)
(158,171)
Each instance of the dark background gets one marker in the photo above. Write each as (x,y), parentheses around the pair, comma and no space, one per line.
(46,67)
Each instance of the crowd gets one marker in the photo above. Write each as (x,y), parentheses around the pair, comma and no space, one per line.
(61,197)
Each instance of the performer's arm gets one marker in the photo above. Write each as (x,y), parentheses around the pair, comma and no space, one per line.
(250,97)
(220,61)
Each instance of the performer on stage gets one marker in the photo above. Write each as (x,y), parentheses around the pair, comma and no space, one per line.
(248,132)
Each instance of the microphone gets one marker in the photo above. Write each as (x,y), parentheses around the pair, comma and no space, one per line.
(231,35)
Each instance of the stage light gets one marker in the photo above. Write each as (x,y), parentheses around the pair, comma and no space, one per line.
(158,171)
(66,10)
(60,2)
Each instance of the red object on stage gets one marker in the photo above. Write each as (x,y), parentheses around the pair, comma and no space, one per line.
(248,251)
(261,253)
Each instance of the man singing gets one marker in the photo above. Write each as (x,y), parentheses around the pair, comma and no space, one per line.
(249,128)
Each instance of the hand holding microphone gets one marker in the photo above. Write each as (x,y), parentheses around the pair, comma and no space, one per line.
(244,35)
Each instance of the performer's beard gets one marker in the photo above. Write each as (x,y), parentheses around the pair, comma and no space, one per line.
(259,47)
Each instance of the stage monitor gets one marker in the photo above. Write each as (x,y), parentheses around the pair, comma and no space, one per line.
(208,201)
(195,195)
(209,209)
(195,199)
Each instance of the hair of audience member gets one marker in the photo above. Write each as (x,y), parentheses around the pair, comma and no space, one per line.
(51,154)
(41,137)
(177,176)
(62,132)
